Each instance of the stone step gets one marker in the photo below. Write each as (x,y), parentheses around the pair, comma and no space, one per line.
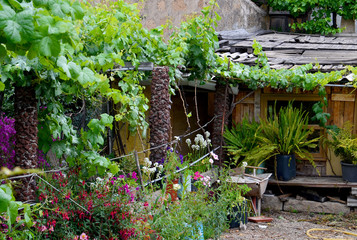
(352,202)
(354,191)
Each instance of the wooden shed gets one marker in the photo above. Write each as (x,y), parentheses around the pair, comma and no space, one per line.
(291,50)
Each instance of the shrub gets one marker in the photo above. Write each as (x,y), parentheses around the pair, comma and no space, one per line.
(7,141)
(109,212)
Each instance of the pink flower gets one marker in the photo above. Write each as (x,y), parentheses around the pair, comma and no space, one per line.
(197,176)
(51,229)
(133,175)
(83,236)
(43,228)
(210,161)
(76,238)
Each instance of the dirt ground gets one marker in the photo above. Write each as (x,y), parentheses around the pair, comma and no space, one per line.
(294,226)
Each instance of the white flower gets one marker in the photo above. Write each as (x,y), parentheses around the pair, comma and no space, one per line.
(244,164)
(203,144)
(211,160)
(145,169)
(156,164)
(98,179)
(207,134)
(110,175)
(152,170)
(161,167)
(147,162)
(218,181)
(188,141)
(176,187)
(215,156)
(208,141)
(199,138)
(177,138)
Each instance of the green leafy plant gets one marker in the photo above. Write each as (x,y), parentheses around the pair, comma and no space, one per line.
(241,139)
(321,12)
(12,223)
(285,132)
(344,143)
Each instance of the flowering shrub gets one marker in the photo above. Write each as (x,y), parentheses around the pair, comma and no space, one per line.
(7,142)
(110,211)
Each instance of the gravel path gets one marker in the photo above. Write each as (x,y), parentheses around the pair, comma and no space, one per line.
(294,226)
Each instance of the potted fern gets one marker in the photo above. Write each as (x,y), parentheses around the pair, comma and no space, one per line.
(241,140)
(344,144)
(285,135)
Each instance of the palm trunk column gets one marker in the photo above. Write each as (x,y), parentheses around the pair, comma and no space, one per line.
(221,112)
(26,140)
(159,119)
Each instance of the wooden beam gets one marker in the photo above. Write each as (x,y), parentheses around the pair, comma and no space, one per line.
(343,97)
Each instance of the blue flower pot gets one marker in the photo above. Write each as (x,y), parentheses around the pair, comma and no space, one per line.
(197,232)
(349,172)
(285,167)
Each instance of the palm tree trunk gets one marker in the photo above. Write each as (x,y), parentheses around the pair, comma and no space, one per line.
(159,119)
(221,111)
(26,140)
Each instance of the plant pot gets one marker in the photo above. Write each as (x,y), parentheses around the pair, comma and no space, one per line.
(170,189)
(239,215)
(349,172)
(197,232)
(285,167)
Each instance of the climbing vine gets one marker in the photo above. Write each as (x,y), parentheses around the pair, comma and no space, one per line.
(67,50)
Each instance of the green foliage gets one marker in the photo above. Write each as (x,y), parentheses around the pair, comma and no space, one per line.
(241,140)
(9,213)
(344,143)
(285,132)
(195,43)
(321,12)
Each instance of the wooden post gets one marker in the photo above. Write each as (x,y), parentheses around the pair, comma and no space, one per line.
(138,168)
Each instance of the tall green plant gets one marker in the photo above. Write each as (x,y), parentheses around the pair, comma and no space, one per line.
(286,132)
(344,143)
(241,140)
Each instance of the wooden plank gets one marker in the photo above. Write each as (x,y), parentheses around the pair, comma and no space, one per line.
(329,54)
(355,118)
(343,97)
(349,112)
(257,96)
(317,182)
(341,114)
(336,112)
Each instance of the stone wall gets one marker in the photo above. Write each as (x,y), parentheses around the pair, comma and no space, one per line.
(235,15)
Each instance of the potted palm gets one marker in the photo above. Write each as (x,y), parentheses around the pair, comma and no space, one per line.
(284,135)
(344,144)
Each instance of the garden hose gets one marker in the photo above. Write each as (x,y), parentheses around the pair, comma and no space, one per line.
(331,230)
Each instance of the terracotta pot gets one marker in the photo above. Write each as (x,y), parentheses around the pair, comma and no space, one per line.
(170,189)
